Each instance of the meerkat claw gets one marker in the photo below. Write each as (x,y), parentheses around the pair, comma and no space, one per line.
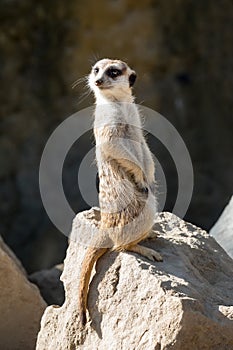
(147,252)
(152,235)
(153,255)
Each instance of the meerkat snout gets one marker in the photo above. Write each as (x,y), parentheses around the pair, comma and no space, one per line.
(99,82)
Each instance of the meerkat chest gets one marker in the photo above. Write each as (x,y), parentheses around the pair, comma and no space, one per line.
(115,189)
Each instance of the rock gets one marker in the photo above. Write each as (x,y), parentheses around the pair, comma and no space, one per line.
(183,303)
(222,231)
(50,285)
(21,305)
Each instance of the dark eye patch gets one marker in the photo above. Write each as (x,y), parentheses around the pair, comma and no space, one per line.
(113,72)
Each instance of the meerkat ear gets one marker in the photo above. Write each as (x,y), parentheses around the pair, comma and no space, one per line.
(132,79)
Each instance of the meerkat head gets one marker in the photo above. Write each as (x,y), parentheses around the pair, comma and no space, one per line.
(112,80)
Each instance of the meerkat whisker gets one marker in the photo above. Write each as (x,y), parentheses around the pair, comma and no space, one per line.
(79,81)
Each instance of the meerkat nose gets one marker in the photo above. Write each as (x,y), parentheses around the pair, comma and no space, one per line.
(99,82)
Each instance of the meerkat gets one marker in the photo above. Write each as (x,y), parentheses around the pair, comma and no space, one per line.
(126,171)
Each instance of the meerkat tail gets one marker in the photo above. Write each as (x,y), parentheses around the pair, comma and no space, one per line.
(91,256)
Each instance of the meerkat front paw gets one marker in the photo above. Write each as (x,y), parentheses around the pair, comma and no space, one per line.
(143,189)
(141,182)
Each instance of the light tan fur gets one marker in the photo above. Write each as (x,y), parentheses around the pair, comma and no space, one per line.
(126,171)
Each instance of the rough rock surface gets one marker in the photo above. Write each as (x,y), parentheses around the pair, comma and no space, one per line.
(21,305)
(222,231)
(50,285)
(183,303)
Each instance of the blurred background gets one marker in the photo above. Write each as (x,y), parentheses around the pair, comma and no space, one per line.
(182,52)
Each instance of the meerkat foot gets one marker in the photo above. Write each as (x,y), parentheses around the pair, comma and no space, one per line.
(152,234)
(147,252)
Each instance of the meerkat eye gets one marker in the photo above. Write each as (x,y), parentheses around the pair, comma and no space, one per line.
(113,72)
(96,70)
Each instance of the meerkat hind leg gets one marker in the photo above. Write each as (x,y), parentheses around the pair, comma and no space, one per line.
(147,252)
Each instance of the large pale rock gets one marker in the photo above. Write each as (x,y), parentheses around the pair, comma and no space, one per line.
(182,303)
(222,231)
(21,305)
